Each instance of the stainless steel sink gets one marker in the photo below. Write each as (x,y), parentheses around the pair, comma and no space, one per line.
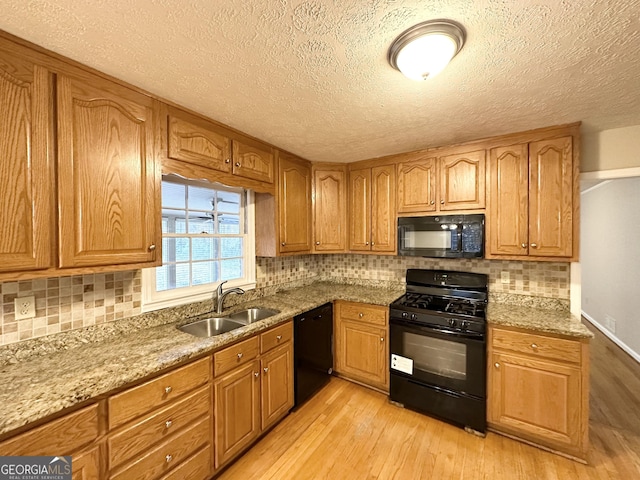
(209,327)
(251,315)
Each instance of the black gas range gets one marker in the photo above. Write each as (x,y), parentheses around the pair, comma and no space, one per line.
(438,346)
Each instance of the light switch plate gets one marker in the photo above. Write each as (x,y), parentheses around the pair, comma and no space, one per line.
(25,307)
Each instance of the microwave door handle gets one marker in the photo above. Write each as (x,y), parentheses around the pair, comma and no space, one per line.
(459,233)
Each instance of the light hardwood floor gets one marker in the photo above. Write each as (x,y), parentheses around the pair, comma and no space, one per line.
(350,432)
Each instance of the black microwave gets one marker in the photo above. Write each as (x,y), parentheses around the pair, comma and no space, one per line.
(442,236)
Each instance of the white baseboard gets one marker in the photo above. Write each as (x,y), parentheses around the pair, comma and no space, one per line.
(613,338)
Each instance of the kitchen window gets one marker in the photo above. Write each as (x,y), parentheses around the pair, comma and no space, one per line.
(207,237)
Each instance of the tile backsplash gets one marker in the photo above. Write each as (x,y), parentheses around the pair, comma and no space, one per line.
(67,303)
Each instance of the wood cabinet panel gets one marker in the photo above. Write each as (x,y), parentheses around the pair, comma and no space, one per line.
(136,438)
(62,436)
(294,204)
(276,336)
(107,178)
(237,415)
(199,145)
(139,400)
(462,181)
(417,185)
(196,467)
(362,353)
(360,210)
(86,466)
(168,454)
(277,384)
(536,345)
(383,209)
(330,208)
(508,216)
(253,162)
(26,172)
(550,197)
(360,312)
(236,355)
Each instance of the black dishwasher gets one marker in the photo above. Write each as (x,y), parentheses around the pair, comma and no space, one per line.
(313,351)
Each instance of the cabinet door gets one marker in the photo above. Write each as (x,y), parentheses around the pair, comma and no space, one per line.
(199,145)
(86,466)
(360,210)
(535,397)
(416,186)
(462,181)
(508,216)
(550,198)
(251,161)
(237,415)
(107,174)
(362,353)
(277,384)
(330,209)
(383,209)
(25,170)
(294,205)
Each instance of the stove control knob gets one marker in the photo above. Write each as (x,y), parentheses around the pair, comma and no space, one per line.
(464,325)
(452,322)
(414,316)
(405,314)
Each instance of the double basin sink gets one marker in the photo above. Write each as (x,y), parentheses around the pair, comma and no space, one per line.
(211,326)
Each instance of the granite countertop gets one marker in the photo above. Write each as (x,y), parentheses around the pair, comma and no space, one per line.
(41,385)
(66,369)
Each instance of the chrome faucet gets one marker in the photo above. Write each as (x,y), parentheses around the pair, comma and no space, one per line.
(220,296)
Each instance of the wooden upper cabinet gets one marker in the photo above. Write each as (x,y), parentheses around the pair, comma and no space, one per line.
(462,181)
(508,216)
(294,204)
(383,209)
(107,178)
(531,200)
(25,169)
(253,162)
(330,208)
(550,197)
(417,185)
(198,144)
(360,209)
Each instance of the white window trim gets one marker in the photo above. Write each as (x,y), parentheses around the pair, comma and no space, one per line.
(153,300)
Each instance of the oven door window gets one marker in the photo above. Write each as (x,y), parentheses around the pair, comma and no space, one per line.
(438,357)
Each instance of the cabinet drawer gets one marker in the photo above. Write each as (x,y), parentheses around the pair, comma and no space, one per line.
(275,337)
(197,467)
(236,355)
(161,459)
(159,425)
(537,345)
(136,401)
(359,312)
(58,437)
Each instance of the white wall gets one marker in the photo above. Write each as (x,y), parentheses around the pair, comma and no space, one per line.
(610,260)
(611,149)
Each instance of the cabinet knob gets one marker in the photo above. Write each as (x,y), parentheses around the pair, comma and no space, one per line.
(168,424)
(168,389)
(534,245)
(361,314)
(534,346)
(237,164)
(266,369)
(382,339)
(256,374)
(283,244)
(279,337)
(366,243)
(497,365)
(441,202)
(152,247)
(317,243)
(523,245)
(239,355)
(228,160)
(168,458)
(432,202)
(372,244)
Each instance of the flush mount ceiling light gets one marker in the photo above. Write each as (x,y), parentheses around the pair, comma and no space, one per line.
(425,49)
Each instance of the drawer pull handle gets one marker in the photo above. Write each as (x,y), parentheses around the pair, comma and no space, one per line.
(497,365)
(279,337)
(534,346)
(239,355)
(168,389)
(168,424)
(256,374)
(266,369)
(168,458)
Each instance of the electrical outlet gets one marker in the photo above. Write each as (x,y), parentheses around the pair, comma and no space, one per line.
(610,323)
(25,307)
(504,276)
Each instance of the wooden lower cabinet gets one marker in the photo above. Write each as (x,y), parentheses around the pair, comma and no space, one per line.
(362,353)
(86,466)
(252,397)
(539,389)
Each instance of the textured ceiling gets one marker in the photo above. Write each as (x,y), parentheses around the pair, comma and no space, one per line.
(312,76)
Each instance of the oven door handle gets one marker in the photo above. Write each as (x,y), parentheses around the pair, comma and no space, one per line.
(442,331)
